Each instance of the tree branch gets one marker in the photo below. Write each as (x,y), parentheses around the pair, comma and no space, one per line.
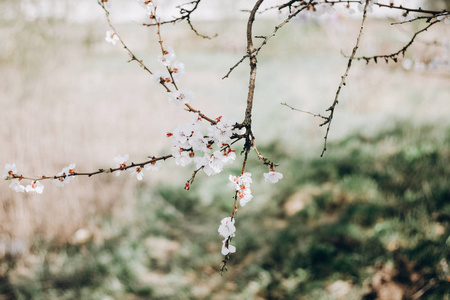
(394,56)
(331,109)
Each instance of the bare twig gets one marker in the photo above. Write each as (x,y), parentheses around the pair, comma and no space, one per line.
(233,67)
(185,15)
(402,51)
(265,160)
(290,3)
(268,37)
(251,52)
(427,18)
(342,83)
(304,111)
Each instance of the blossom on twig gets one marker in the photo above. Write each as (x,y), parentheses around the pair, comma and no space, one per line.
(272,176)
(35,187)
(111,37)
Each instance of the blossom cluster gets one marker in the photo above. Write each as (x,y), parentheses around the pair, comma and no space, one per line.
(65,176)
(149,6)
(11,172)
(227,230)
(190,146)
(138,170)
(242,186)
(173,73)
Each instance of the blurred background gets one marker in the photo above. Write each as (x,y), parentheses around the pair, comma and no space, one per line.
(370,220)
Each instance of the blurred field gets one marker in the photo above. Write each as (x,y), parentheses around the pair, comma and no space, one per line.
(376,205)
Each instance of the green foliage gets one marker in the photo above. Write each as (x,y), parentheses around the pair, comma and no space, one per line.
(372,201)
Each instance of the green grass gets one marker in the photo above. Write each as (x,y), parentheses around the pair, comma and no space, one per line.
(379,201)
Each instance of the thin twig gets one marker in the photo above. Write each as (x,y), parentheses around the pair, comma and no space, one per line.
(233,67)
(402,51)
(268,37)
(133,57)
(265,160)
(304,111)
(342,83)
(185,15)
(290,3)
(428,18)
(89,174)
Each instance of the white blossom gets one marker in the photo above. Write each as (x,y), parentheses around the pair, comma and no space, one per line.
(323,8)
(153,166)
(161,77)
(222,131)
(216,162)
(168,56)
(228,156)
(138,172)
(177,70)
(242,186)
(273,176)
(419,66)
(226,228)
(16,186)
(121,162)
(246,199)
(182,95)
(148,4)
(407,63)
(180,136)
(198,142)
(446,18)
(182,158)
(111,37)
(64,175)
(35,187)
(350,10)
(10,170)
(201,161)
(107,3)
(227,247)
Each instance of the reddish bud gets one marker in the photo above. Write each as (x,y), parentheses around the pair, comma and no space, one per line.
(218,119)
(191,154)
(169,134)
(187,186)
